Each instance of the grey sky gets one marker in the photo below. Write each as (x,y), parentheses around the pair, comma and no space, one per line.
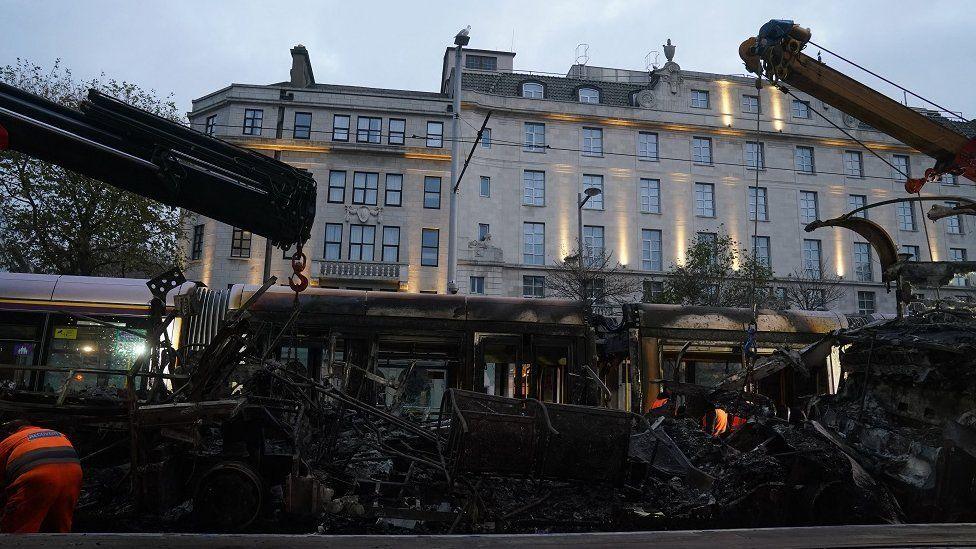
(194,47)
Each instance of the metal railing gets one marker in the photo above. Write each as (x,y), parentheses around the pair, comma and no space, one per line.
(371,270)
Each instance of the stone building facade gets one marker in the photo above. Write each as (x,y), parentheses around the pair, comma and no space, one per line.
(674,152)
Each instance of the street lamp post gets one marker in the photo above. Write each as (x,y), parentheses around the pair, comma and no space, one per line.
(460,40)
(581,199)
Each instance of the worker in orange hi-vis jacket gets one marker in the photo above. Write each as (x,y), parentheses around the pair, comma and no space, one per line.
(41,476)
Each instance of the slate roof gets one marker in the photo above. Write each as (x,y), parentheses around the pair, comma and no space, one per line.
(557,88)
(966,128)
(366,90)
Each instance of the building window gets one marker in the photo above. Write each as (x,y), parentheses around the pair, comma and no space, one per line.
(594,182)
(865,303)
(533,90)
(710,240)
(432,192)
(595,290)
(803,160)
(853,164)
(368,129)
(906,216)
(362,240)
(486,138)
(650,196)
(337,187)
(699,99)
(211,125)
(481,62)
(477,285)
(755,155)
(760,245)
(340,127)
(593,243)
(429,244)
(653,290)
(533,188)
(588,95)
(196,246)
(705,199)
(862,262)
(701,150)
(398,130)
(240,243)
(855,201)
(485,189)
(535,137)
(534,243)
(912,251)
(394,190)
(801,109)
(435,134)
(953,222)
(757,199)
(651,254)
(812,259)
(647,146)
(593,141)
(365,187)
(391,244)
(333,241)
(483,231)
(303,125)
(809,208)
(902,167)
(533,286)
(750,104)
(253,120)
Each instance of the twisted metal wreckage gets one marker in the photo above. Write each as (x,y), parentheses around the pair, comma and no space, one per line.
(221,435)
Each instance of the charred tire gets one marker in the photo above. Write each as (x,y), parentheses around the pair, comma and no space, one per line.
(228,497)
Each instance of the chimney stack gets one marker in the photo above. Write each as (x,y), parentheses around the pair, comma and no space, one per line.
(301,68)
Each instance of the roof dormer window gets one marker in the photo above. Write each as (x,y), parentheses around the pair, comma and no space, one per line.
(533,90)
(589,95)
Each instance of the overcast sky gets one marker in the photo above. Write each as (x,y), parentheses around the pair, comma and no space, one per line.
(191,48)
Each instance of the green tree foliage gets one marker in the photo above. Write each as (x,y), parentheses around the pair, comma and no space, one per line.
(56,221)
(708,277)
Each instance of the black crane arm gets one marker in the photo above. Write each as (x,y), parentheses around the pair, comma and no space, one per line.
(153,157)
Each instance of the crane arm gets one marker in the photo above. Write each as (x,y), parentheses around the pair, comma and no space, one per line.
(153,157)
(777,54)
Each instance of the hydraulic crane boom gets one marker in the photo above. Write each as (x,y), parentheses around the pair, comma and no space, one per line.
(777,54)
(151,156)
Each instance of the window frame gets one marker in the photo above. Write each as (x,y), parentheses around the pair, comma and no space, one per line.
(587,89)
(747,109)
(537,243)
(804,206)
(484,186)
(855,201)
(432,193)
(533,146)
(653,187)
(366,189)
(536,191)
(338,130)
(196,242)
(596,181)
(398,190)
(698,145)
(954,223)
(758,199)
(768,255)
(484,230)
(862,300)
(395,247)
(896,174)
(648,259)
(760,163)
(813,161)
(210,125)
(331,187)
(253,125)
(697,94)
(435,137)
(362,244)
(534,282)
(436,247)
(486,139)
(481,62)
(372,136)
(900,216)
(705,204)
(330,241)
(306,129)
(818,248)
(396,137)
(848,165)
(476,285)
(541,91)
(240,243)
(592,143)
(592,234)
(645,154)
(793,110)
(863,270)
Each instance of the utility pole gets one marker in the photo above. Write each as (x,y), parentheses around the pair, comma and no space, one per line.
(460,40)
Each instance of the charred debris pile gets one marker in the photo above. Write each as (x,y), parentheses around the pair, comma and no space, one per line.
(235,441)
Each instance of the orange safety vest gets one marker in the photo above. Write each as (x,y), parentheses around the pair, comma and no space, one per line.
(30,447)
(721,422)
(658,402)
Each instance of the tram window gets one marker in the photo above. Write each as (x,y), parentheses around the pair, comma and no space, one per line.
(90,345)
(552,361)
(711,373)
(503,374)
(418,372)
(17,346)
